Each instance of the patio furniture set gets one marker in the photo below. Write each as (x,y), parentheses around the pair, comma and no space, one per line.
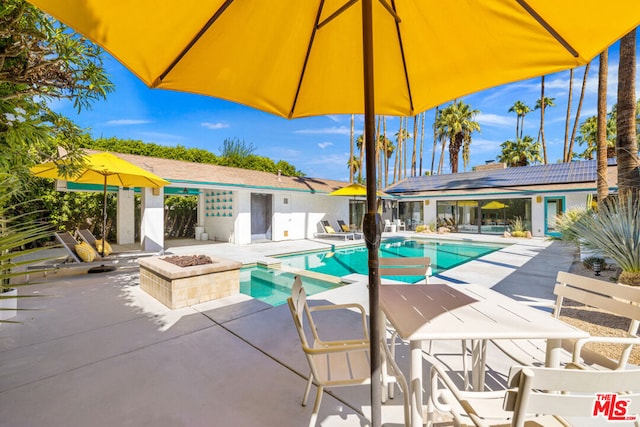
(554,375)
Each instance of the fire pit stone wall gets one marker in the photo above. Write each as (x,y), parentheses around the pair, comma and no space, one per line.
(177,287)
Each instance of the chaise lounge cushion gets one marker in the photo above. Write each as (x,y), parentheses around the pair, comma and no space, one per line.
(107,247)
(85,252)
(329,229)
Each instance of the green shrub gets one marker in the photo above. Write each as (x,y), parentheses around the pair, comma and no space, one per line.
(615,232)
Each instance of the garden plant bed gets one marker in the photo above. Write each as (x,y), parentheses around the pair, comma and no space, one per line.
(201,279)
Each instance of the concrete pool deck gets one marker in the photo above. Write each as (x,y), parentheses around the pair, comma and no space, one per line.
(96,350)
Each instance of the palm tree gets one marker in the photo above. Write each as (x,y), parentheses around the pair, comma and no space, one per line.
(456,124)
(351,143)
(354,164)
(602,129)
(401,136)
(521,109)
(568,118)
(542,104)
(588,134)
(415,145)
(575,123)
(626,142)
(389,148)
(435,139)
(422,119)
(360,143)
(521,152)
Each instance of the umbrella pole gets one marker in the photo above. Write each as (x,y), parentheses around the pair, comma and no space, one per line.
(372,221)
(104,215)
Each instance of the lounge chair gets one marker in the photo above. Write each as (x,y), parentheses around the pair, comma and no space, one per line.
(338,363)
(345,229)
(330,232)
(74,258)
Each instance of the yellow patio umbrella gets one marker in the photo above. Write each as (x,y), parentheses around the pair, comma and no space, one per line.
(354,190)
(495,205)
(314,57)
(106,169)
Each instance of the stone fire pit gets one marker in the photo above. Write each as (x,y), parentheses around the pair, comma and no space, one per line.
(177,286)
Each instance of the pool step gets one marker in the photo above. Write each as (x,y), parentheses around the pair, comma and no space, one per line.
(268,262)
(312,274)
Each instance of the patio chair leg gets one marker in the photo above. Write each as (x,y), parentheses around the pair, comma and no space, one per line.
(316,407)
(465,369)
(307,390)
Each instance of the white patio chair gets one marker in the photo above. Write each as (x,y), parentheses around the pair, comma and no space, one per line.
(338,363)
(387,225)
(400,225)
(539,396)
(613,298)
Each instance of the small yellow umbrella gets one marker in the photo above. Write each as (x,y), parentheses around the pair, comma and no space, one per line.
(106,169)
(354,190)
(103,168)
(495,205)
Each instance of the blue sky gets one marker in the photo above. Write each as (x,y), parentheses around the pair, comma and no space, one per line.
(319,146)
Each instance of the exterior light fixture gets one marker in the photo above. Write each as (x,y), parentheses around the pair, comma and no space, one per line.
(597,267)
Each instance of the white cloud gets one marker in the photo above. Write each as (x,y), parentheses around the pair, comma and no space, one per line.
(214,126)
(127,122)
(324,145)
(495,120)
(336,130)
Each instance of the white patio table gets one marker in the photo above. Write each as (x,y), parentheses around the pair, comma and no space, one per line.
(465,312)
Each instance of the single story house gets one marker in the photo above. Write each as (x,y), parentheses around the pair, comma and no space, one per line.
(234,205)
(493,197)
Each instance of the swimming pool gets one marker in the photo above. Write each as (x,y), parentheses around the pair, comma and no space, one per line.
(273,285)
(343,261)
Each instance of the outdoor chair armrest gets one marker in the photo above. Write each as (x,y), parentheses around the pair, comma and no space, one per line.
(624,356)
(443,399)
(336,348)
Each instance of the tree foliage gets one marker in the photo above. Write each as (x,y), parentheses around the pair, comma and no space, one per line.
(521,152)
(235,153)
(456,123)
(42,61)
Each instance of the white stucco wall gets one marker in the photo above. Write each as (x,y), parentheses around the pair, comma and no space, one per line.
(126,225)
(152,226)
(295,215)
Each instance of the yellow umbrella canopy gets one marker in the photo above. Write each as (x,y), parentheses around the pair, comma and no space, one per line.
(106,169)
(303,58)
(353,190)
(315,57)
(494,204)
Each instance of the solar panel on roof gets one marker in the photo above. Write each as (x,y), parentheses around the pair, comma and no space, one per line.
(557,173)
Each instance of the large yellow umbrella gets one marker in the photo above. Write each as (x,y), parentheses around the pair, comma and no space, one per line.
(353,190)
(313,57)
(106,169)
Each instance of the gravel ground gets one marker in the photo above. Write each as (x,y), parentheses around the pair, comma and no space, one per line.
(598,323)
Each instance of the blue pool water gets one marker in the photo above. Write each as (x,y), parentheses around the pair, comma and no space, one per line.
(273,286)
(344,261)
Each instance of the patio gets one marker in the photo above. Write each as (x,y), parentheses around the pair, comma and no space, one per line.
(96,350)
